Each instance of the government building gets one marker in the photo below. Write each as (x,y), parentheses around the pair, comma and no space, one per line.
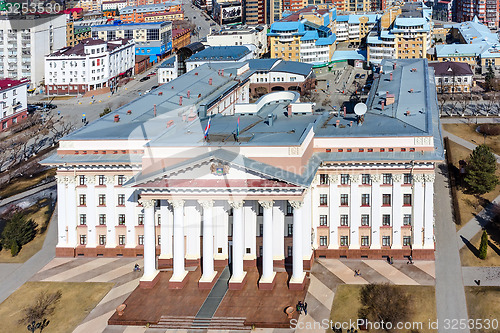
(193,173)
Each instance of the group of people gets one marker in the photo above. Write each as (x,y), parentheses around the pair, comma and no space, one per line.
(137,268)
(302,306)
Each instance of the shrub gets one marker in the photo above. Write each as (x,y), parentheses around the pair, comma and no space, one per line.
(481,177)
(489,129)
(18,231)
(483,247)
(105,112)
(14,249)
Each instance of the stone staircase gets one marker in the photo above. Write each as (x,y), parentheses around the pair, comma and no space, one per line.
(192,323)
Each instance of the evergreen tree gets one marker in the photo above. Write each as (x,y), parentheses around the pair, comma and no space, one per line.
(14,249)
(483,247)
(18,231)
(481,169)
(488,78)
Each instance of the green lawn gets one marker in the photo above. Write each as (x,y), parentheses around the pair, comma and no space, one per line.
(77,300)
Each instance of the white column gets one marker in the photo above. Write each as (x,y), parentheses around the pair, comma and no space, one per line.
(91,212)
(418,210)
(313,223)
(238,242)
(179,270)
(376,215)
(334,215)
(397,214)
(354,212)
(72,211)
(429,211)
(166,230)
(298,273)
(62,240)
(267,242)
(308,234)
(150,270)
(220,219)
(111,218)
(279,230)
(192,230)
(130,218)
(250,218)
(208,241)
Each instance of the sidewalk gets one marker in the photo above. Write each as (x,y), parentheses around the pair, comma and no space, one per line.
(27,193)
(464,143)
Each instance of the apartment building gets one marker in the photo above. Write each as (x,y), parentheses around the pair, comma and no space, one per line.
(240,35)
(13,102)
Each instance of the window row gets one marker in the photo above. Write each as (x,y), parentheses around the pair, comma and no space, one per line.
(121,240)
(345,179)
(365,199)
(121,219)
(365,220)
(365,241)
(82,200)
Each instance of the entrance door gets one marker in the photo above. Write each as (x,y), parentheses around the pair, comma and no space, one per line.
(230,255)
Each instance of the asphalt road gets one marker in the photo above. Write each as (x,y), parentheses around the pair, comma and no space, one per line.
(198,17)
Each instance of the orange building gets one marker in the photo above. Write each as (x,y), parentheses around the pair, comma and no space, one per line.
(180,38)
(137,14)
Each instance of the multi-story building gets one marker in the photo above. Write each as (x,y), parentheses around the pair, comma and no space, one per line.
(354,28)
(486,11)
(113,5)
(168,70)
(304,36)
(23,42)
(13,102)
(443,10)
(357,5)
(380,46)
(228,12)
(164,16)
(137,14)
(240,35)
(255,12)
(452,77)
(92,64)
(290,184)
(293,5)
(153,39)
(217,54)
(180,38)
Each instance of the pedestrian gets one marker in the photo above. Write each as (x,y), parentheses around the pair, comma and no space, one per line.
(392,260)
(299,307)
(410,260)
(304,306)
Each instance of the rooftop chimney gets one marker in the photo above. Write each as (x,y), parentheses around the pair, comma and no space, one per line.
(180,100)
(188,93)
(383,104)
(129,111)
(210,81)
(170,123)
(154,109)
(117,118)
(270,119)
(394,66)
(391,76)
(289,110)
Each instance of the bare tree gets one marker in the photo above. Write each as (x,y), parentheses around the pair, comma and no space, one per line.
(463,102)
(44,306)
(442,102)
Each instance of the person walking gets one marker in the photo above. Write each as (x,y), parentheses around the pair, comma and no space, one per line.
(304,306)
(299,307)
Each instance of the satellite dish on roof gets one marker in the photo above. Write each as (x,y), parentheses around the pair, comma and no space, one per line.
(360,109)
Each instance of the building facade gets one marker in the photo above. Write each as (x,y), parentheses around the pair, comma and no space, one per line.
(240,35)
(453,77)
(92,64)
(168,70)
(20,49)
(153,39)
(138,14)
(14,102)
(172,186)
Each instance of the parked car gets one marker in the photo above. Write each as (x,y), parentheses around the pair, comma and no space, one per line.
(357,76)
(154,87)
(363,76)
(152,74)
(207,19)
(144,79)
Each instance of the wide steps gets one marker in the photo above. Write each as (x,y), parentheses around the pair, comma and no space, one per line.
(193,323)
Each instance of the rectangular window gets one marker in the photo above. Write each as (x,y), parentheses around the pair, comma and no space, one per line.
(406,240)
(365,179)
(159,219)
(365,241)
(121,240)
(290,229)
(260,211)
(159,239)
(386,199)
(102,199)
(365,220)
(344,240)
(140,219)
(140,240)
(83,200)
(121,199)
(344,199)
(102,219)
(323,199)
(83,219)
(290,251)
(83,240)
(344,179)
(261,230)
(323,220)
(102,240)
(289,209)
(323,179)
(121,180)
(121,219)
(365,200)
(386,220)
(102,180)
(344,220)
(407,178)
(407,199)
(323,241)
(407,219)
(81,180)
(386,178)
(386,240)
